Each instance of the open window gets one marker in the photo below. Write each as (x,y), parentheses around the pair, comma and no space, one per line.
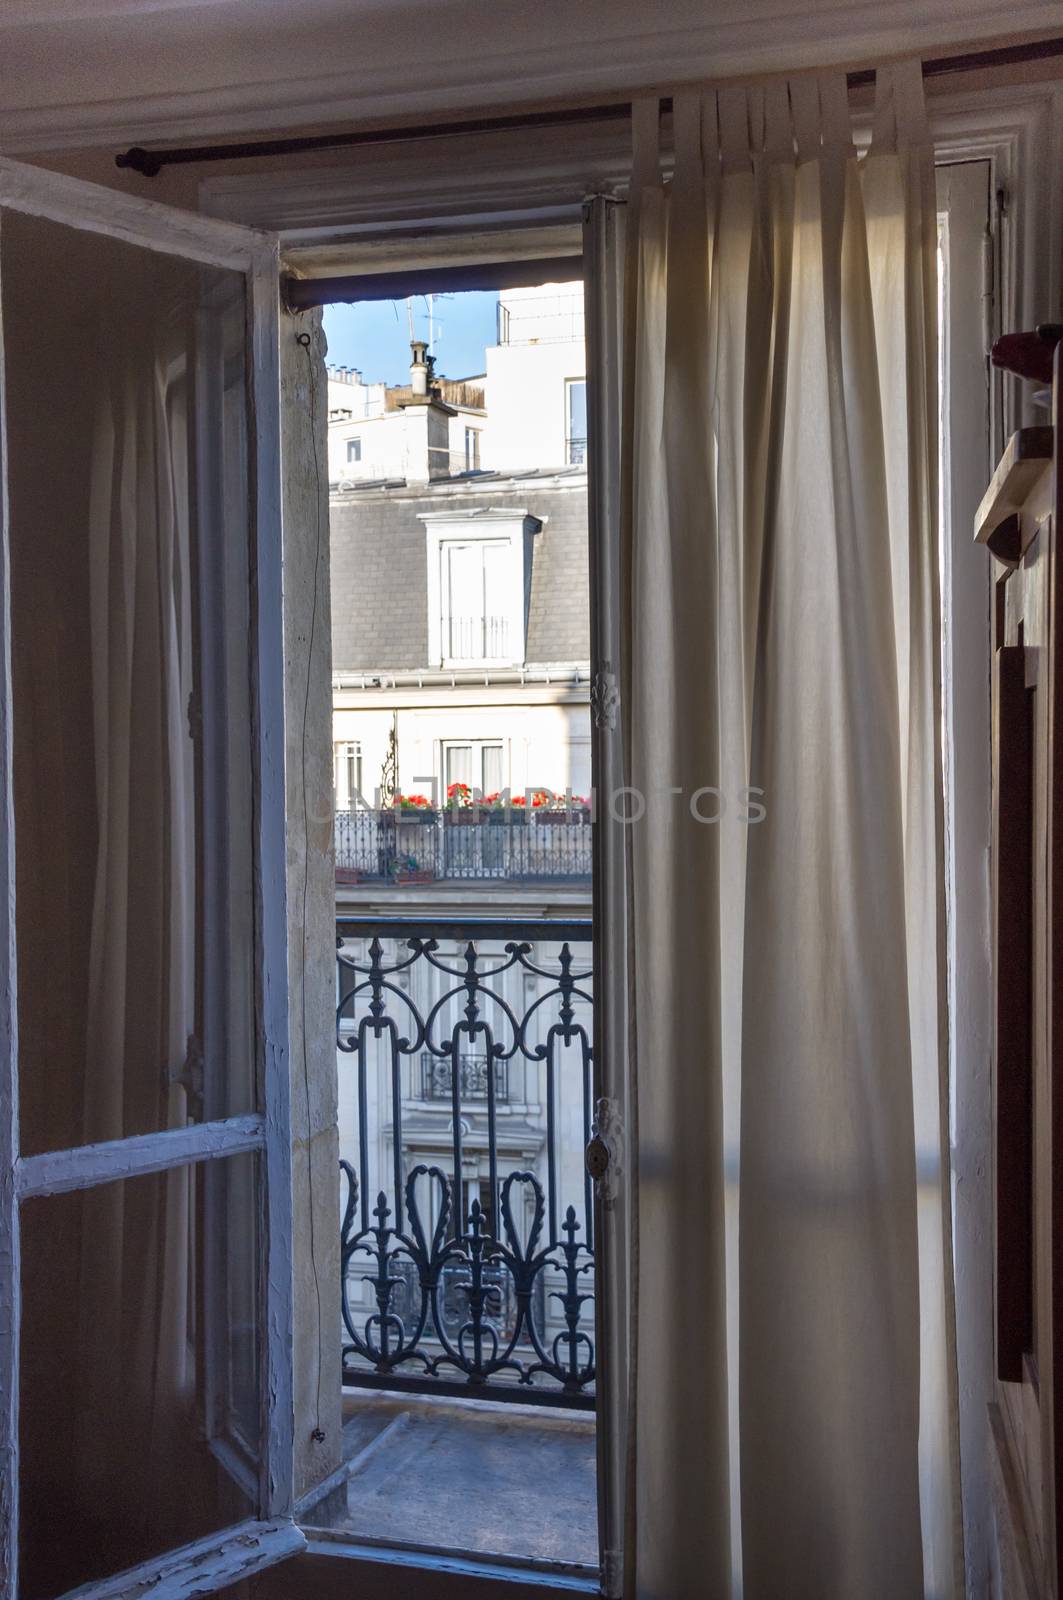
(145,1207)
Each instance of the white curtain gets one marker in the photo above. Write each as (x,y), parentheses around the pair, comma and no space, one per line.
(779,1380)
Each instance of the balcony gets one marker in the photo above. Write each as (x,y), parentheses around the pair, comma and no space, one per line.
(542,319)
(467,1240)
(389,848)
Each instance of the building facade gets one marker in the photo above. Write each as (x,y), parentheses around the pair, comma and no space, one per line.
(460,616)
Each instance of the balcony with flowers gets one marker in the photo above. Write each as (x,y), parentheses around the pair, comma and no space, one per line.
(537,837)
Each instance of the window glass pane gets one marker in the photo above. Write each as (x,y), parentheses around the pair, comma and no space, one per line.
(577,410)
(496,570)
(492,768)
(459,764)
(465,595)
(577,422)
(139,1386)
(132,720)
(347,781)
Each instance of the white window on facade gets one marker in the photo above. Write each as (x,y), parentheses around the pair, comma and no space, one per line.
(576,421)
(476,620)
(354,450)
(479,579)
(472,449)
(347,769)
(478,763)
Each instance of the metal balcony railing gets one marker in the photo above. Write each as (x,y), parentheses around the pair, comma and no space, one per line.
(437,1077)
(542,319)
(423,847)
(467,1246)
(476,638)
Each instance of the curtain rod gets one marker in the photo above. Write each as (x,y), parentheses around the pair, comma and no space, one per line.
(151,162)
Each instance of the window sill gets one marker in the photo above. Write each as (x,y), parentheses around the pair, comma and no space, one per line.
(413,1459)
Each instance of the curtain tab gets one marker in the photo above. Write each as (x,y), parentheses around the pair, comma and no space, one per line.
(645,142)
(734,130)
(834,101)
(804,101)
(910,102)
(778,125)
(686,126)
(710,133)
(900,106)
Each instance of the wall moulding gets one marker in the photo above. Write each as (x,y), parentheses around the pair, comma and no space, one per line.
(291,78)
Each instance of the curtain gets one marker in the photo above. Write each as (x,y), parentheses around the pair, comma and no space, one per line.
(779,1375)
(135,1418)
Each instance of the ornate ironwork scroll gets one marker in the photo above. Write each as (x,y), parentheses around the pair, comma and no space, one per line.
(467,1246)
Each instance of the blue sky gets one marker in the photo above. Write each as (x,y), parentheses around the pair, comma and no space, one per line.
(375,335)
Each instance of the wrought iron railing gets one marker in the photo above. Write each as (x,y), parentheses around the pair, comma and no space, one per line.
(406,848)
(484,1285)
(437,1077)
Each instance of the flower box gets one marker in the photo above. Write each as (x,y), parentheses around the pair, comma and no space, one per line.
(577,816)
(414,875)
(415,814)
(349,875)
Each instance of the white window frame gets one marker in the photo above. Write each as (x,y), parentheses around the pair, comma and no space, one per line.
(515,528)
(477,746)
(238,1551)
(346,751)
(570,384)
(356,458)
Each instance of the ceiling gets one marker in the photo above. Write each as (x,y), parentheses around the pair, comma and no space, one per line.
(92,72)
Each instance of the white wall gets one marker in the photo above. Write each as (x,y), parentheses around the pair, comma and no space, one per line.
(544,745)
(526,376)
(384,435)
(383,441)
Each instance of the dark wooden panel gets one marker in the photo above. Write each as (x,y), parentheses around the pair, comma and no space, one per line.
(1013,1075)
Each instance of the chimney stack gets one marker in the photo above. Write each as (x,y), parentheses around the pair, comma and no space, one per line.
(427,421)
(419,368)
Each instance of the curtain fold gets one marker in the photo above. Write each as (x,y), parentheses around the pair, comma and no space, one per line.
(789,1342)
(134,1288)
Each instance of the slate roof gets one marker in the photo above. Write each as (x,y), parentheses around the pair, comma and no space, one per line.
(380,570)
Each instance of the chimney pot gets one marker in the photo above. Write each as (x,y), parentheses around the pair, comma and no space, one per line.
(419,367)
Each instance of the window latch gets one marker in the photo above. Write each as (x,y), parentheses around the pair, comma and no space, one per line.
(597,1158)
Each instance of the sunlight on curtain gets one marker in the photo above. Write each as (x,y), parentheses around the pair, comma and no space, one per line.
(792,1414)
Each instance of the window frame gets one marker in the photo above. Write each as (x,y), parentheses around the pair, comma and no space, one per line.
(236,1551)
(570,438)
(476,747)
(513,527)
(347,751)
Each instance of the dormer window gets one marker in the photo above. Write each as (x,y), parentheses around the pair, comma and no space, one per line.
(479,580)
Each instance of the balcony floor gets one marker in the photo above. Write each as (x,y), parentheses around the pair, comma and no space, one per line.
(509,1481)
